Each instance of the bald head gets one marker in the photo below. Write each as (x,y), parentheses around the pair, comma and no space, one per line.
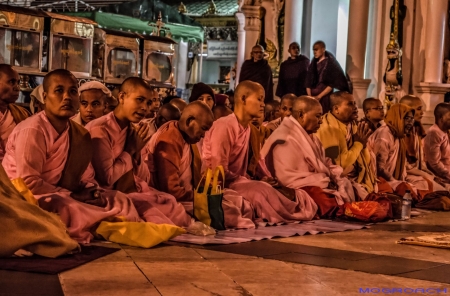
(440,111)
(179,103)
(304,104)
(196,119)
(288,97)
(308,112)
(257,53)
(9,85)
(245,89)
(415,103)
(6,69)
(410,100)
(167,113)
(370,103)
(60,73)
(132,82)
(221,111)
(343,107)
(272,111)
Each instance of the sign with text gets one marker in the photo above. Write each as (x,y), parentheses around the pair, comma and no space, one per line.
(222,49)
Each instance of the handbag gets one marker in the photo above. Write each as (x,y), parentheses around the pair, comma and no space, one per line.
(208,199)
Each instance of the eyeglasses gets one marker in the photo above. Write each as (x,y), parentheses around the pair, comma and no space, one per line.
(409,118)
(377,108)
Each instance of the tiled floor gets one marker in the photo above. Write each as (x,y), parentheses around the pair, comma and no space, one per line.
(327,264)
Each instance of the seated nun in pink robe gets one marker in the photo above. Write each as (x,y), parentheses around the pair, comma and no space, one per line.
(119,155)
(227,143)
(10,113)
(52,155)
(387,144)
(437,144)
(296,158)
(175,165)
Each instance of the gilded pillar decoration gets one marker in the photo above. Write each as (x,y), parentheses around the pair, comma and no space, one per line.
(393,77)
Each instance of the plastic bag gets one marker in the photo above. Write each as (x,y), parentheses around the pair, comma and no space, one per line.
(200,229)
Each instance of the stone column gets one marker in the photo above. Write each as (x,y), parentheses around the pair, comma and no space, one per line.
(241,44)
(293,12)
(432,89)
(356,48)
(182,65)
(252,27)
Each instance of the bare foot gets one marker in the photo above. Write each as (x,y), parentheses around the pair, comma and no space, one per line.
(22,253)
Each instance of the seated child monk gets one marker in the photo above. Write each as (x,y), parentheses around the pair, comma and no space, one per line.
(166,113)
(437,145)
(285,111)
(221,111)
(10,113)
(373,113)
(154,108)
(227,143)
(175,164)
(93,100)
(344,141)
(179,103)
(118,156)
(52,155)
(296,158)
(271,112)
(388,144)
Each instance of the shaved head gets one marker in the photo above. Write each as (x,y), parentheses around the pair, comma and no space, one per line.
(196,119)
(272,111)
(308,113)
(440,111)
(58,72)
(370,103)
(179,103)
(304,104)
(9,85)
(167,113)
(132,82)
(257,46)
(415,103)
(338,97)
(290,97)
(6,68)
(221,111)
(410,100)
(244,90)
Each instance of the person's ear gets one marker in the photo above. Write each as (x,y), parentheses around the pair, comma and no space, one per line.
(121,97)
(190,120)
(243,99)
(44,97)
(301,114)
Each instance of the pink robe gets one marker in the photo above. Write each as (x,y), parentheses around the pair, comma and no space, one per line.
(386,149)
(7,124)
(299,161)
(237,211)
(77,119)
(227,144)
(111,162)
(437,152)
(274,124)
(37,153)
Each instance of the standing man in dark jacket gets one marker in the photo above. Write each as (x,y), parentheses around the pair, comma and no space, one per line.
(257,69)
(293,73)
(324,75)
